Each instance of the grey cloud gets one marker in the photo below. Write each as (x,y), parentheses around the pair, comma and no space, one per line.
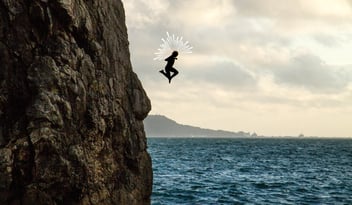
(142,14)
(226,74)
(287,11)
(311,73)
(328,40)
(268,8)
(333,40)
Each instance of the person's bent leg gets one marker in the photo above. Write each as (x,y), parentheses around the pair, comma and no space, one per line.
(168,73)
(175,72)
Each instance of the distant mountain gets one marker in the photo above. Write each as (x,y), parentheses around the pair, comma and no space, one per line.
(161,126)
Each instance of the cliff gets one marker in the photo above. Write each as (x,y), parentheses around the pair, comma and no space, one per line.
(71,108)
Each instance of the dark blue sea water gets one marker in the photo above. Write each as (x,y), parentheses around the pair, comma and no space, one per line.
(251,171)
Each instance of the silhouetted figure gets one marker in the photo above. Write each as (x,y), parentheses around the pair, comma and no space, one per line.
(168,68)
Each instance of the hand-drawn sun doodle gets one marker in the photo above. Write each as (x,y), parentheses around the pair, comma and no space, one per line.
(171,44)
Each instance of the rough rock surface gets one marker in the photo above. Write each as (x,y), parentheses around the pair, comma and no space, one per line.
(71,108)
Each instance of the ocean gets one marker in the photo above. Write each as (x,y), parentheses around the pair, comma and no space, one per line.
(251,171)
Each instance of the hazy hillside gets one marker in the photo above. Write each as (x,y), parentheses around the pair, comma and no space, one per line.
(161,126)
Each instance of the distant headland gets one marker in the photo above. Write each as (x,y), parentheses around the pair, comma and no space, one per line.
(161,126)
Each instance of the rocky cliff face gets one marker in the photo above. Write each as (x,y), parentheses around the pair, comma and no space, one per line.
(71,108)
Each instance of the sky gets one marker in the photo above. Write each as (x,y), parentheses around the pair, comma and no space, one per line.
(273,67)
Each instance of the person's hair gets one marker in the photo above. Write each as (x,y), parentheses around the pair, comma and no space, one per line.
(175,53)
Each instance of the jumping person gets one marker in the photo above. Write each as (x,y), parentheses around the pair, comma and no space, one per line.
(168,68)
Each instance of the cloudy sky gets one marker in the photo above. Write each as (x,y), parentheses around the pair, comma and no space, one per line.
(274,67)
